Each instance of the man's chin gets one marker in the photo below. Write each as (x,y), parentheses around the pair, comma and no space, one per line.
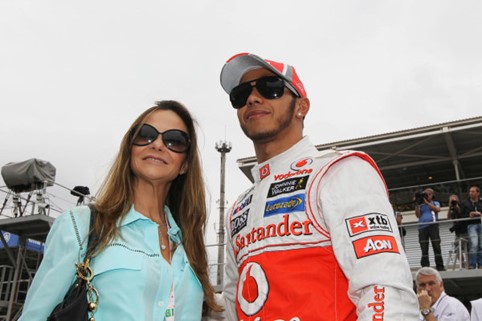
(259,136)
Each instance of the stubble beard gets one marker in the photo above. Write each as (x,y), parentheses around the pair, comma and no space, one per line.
(261,135)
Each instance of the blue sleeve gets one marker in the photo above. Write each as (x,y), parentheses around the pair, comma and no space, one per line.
(57,270)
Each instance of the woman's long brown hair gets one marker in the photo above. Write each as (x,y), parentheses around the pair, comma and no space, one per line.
(186,198)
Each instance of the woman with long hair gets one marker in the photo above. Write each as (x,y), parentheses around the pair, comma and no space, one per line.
(150,261)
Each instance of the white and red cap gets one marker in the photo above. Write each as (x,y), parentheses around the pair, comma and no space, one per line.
(236,66)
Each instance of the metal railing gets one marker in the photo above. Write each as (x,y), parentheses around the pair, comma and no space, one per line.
(449,243)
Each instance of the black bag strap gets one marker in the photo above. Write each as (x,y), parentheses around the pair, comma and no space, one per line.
(93,237)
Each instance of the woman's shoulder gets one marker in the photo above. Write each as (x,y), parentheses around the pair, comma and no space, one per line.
(77,219)
(76,215)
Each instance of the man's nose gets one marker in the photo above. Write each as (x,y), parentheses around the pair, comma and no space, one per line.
(254,97)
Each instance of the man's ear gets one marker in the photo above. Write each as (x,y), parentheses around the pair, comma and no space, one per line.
(303,107)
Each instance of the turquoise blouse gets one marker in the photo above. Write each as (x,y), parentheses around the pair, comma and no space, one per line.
(132,277)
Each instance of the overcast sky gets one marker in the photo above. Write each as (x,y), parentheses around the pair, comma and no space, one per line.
(74,75)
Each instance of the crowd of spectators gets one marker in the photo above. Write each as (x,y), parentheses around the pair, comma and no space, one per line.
(465,214)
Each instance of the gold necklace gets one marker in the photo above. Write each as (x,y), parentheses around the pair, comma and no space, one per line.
(163,246)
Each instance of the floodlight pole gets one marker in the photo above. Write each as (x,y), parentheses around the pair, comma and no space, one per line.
(223,147)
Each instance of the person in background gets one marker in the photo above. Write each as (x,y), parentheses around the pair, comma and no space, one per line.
(401,229)
(472,207)
(426,209)
(434,303)
(150,261)
(459,227)
(315,237)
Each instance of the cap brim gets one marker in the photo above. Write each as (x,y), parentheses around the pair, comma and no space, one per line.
(235,69)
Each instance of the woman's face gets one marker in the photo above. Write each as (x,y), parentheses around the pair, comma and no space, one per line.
(154,162)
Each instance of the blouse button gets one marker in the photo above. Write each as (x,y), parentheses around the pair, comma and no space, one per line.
(161,303)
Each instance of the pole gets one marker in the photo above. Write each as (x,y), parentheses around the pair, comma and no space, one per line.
(223,147)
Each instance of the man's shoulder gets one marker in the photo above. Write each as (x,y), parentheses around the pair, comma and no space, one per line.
(333,154)
(246,193)
(331,157)
(453,301)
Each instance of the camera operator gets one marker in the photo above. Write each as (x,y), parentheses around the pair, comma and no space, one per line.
(472,207)
(460,227)
(427,212)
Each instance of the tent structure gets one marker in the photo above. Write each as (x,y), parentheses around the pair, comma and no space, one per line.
(30,176)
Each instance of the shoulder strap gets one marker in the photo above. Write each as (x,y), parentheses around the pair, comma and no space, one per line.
(93,237)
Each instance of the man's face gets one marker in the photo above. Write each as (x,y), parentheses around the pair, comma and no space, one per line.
(474,194)
(263,119)
(429,194)
(429,283)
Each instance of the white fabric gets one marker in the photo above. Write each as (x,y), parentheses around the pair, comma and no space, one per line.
(476,313)
(341,188)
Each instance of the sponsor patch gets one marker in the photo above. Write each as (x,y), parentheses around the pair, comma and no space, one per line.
(253,289)
(296,166)
(378,304)
(304,171)
(264,171)
(376,244)
(243,204)
(285,227)
(239,222)
(372,222)
(293,203)
(288,186)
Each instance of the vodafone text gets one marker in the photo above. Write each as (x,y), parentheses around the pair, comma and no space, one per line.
(283,228)
(278,177)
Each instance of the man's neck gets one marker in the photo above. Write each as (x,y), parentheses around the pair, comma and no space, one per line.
(267,150)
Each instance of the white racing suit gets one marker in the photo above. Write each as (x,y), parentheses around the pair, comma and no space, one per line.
(315,239)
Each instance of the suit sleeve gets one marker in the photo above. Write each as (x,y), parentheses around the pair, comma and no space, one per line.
(366,242)
(57,269)
(230,277)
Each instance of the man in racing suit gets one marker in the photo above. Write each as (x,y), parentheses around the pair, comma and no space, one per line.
(315,237)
